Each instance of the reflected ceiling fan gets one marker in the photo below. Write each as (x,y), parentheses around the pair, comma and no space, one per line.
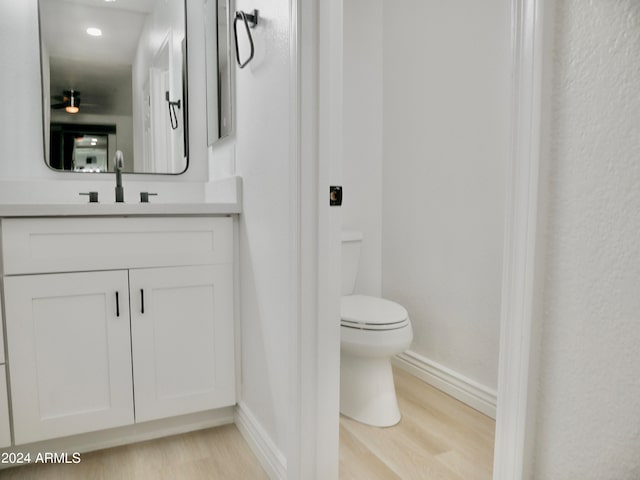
(70,101)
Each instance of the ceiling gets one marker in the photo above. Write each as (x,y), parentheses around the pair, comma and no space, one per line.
(98,67)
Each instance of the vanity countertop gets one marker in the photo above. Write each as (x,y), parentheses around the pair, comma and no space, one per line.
(116,209)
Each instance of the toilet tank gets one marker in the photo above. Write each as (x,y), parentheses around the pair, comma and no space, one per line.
(351,242)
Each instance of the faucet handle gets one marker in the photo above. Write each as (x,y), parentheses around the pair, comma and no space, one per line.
(144,196)
(93,196)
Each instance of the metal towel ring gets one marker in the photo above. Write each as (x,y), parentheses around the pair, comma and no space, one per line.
(247,18)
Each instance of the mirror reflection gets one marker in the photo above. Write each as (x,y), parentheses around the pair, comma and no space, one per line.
(114,78)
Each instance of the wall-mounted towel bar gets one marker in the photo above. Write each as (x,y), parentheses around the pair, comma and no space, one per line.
(250,20)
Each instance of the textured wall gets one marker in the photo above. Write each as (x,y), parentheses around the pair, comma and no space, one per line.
(263,160)
(446,78)
(589,414)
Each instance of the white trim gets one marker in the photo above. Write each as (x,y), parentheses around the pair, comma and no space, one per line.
(329,172)
(518,352)
(468,391)
(315,347)
(303,430)
(272,460)
(297,443)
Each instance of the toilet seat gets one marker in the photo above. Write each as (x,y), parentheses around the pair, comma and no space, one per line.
(362,312)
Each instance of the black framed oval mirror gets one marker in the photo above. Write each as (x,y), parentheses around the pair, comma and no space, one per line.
(114,77)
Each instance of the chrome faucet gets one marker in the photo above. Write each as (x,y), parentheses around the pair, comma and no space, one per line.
(118,165)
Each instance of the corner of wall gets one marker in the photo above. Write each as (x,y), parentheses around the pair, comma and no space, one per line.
(270,457)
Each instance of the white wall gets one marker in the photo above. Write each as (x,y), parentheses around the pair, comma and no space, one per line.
(446,99)
(362,133)
(263,159)
(588,420)
(24,177)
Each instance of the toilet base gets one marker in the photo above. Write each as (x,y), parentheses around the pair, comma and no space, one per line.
(367,392)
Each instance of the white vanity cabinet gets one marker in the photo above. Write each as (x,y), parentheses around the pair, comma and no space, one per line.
(112,321)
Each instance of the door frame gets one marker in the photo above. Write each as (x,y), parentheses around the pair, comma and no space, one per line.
(316,163)
(316,74)
(531,47)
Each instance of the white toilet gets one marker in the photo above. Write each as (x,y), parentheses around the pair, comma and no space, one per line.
(372,330)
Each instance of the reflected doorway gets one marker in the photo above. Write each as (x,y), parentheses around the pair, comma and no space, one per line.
(82,148)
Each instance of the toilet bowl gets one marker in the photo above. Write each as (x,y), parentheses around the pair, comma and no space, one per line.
(372,330)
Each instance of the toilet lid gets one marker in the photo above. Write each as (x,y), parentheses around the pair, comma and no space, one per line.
(371,311)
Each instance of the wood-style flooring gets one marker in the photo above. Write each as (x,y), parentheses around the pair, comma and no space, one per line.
(214,454)
(438,438)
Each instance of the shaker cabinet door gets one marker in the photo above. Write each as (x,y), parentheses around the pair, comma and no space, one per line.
(68,339)
(182,339)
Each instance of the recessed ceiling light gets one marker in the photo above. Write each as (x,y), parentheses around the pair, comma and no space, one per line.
(94,32)
(109,1)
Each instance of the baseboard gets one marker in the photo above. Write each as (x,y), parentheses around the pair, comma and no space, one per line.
(472,393)
(269,456)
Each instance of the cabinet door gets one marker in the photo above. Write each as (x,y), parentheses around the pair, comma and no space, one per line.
(69,347)
(182,340)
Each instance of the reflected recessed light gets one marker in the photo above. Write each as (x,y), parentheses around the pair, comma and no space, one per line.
(109,1)
(94,32)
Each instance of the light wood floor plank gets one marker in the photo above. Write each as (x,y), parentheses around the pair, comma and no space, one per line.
(464,466)
(357,462)
(217,453)
(437,438)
